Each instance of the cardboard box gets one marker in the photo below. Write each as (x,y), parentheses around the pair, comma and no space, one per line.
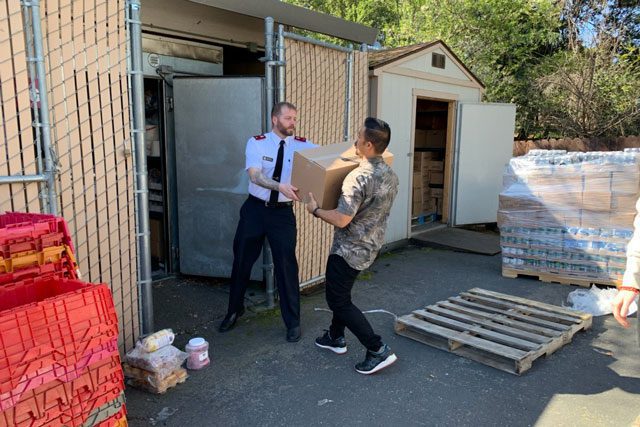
(156,238)
(563,200)
(428,155)
(591,219)
(416,208)
(419,159)
(597,181)
(436,178)
(623,202)
(621,220)
(430,138)
(625,183)
(417,164)
(417,195)
(433,165)
(418,181)
(596,201)
(430,205)
(152,147)
(321,171)
(437,193)
(439,206)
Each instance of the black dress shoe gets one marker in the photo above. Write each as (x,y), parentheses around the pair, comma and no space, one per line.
(230,320)
(294,334)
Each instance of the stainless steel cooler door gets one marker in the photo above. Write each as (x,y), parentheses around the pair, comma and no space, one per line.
(214,118)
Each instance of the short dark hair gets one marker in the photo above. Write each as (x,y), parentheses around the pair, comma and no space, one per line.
(277,108)
(378,133)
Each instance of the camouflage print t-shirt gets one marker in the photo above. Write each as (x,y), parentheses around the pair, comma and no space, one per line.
(367,195)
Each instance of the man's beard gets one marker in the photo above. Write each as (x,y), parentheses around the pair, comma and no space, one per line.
(283,130)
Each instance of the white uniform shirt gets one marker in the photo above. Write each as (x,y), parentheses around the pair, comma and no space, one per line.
(262,153)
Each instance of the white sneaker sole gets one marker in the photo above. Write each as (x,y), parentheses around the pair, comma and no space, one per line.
(336,350)
(387,362)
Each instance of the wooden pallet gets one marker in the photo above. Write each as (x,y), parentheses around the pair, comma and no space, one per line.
(499,330)
(559,278)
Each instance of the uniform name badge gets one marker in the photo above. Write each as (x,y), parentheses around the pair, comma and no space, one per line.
(268,159)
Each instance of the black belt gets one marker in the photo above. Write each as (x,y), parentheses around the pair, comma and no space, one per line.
(271,205)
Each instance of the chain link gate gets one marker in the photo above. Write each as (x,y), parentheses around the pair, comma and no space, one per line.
(329,85)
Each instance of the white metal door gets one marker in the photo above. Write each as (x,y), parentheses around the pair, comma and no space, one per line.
(484,145)
(214,117)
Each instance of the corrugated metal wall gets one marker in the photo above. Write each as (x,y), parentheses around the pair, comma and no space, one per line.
(85,47)
(316,82)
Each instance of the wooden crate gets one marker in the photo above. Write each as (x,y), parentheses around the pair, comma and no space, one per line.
(499,330)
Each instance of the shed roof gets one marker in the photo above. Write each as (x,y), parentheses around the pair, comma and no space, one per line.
(299,17)
(384,57)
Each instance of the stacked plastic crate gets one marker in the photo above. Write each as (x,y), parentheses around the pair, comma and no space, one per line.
(569,216)
(59,360)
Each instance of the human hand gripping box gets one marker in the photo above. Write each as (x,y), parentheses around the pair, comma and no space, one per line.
(321,171)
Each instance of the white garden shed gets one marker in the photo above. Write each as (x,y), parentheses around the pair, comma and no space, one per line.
(450,148)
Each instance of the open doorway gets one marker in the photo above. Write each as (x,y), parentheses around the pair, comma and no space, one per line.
(156,167)
(430,195)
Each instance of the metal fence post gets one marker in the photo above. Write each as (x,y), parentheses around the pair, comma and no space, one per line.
(45,127)
(267,257)
(28,33)
(348,96)
(281,66)
(145,290)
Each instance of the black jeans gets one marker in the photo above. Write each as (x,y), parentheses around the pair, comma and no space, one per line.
(340,278)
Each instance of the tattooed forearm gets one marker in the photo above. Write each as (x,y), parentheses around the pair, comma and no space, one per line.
(258,178)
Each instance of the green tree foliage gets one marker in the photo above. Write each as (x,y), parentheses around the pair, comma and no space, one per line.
(571,66)
(592,87)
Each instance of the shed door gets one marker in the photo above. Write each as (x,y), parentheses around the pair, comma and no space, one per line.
(484,145)
(214,117)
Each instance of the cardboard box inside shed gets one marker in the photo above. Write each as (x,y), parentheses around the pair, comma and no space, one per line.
(321,171)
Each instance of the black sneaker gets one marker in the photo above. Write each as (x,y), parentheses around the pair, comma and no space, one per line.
(338,345)
(373,362)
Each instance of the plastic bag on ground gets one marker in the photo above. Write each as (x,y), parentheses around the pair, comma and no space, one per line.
(596,301)
(163,361)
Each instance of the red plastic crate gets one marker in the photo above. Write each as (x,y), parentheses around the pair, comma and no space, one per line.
(109,412)
(46,369)
(118,420)
(28,244)
(15,224)
(68,403)
(61,269)
(50,326)
(29,259)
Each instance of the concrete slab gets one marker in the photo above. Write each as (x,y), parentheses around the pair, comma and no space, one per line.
(257,378)
(460,240)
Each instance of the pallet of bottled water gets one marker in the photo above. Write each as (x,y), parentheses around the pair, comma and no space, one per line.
(567,217)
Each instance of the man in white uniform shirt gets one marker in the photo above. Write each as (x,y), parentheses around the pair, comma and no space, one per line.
(268,212)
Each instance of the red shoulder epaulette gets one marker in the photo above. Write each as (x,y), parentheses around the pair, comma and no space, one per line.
(259,137)
(299,138)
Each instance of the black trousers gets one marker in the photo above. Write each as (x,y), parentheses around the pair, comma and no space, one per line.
(279,226)
(340,278)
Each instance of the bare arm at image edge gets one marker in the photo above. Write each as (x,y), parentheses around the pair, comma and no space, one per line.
(631,278)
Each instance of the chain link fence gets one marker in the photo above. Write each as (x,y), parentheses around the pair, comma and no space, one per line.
(84,48)
(329,85)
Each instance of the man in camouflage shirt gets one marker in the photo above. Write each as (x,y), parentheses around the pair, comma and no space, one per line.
(360,222)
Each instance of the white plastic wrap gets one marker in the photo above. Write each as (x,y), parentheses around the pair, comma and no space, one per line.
(569,213)
(162,362)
